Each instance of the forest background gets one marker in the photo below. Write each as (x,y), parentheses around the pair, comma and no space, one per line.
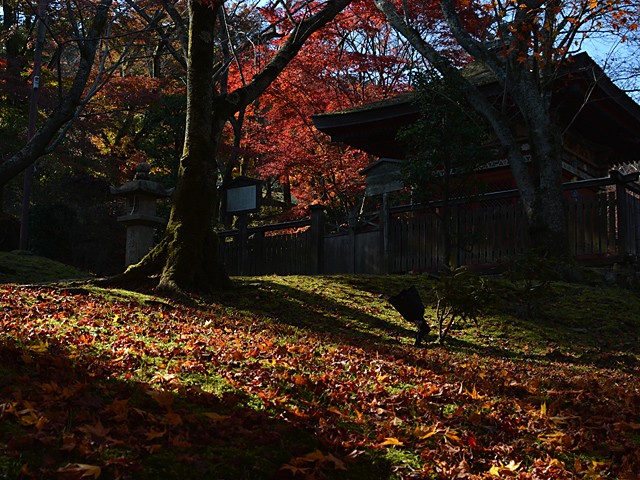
(132,108)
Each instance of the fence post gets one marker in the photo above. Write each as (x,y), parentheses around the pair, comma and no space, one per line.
(621,207)
(260,263)
(243,244)
(385,233)
(353,224)
(317,239)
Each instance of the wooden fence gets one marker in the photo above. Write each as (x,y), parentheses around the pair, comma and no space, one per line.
(603,227)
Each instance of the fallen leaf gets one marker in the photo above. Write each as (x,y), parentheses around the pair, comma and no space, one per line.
(81,468)
(391,441)
(335,410)
(162,398)
(153,434)
(294,469)
(216,417)
(97,430)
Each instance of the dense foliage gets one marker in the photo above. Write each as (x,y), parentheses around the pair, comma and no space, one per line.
(133,105)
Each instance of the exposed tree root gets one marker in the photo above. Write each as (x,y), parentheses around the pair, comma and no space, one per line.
(175,269)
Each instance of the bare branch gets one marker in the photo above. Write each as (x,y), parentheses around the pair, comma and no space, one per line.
(65,111)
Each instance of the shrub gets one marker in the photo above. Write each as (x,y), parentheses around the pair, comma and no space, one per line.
(462,297)
(529,284)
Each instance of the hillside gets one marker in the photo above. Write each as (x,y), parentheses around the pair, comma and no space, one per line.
(316,377)
(22,267)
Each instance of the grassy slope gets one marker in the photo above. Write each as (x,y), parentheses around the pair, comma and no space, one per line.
(304,377)
(24,268)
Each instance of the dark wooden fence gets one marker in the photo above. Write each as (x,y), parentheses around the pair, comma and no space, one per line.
(603,225)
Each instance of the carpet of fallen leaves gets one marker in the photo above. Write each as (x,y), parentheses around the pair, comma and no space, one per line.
(92,387)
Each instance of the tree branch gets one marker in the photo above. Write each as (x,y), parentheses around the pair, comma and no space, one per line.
(499,123)
(245,95)
(65,111)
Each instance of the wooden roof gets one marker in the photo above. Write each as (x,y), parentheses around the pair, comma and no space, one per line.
(588,103)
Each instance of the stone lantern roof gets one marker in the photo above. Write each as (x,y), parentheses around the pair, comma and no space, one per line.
(142,185)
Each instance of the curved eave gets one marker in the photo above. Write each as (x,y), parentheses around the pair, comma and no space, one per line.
(602,113)
(372,129)
(587,100)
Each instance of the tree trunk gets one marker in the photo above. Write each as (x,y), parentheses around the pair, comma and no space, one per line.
(545,212)
(187,254)
(190,242)
(186,257)
(547,217)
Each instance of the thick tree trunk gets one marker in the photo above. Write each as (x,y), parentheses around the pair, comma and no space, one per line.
(545,211)
(547,216)
(186,257)
(189,243)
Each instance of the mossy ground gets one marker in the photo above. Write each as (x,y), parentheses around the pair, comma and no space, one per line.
(315,377)
(22,267)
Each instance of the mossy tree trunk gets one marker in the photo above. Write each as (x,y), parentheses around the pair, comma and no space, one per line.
(191,257)
(186,258)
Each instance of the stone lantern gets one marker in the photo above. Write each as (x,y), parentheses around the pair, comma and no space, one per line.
(141,221)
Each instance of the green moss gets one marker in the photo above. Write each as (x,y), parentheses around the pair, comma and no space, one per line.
(25,268)
(403,461)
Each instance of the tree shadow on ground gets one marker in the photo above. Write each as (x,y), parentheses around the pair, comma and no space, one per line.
(317,313)
(67,400)
(65,416)
(579,355)
(351,325)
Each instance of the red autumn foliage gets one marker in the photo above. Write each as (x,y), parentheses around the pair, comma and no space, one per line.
(353,61)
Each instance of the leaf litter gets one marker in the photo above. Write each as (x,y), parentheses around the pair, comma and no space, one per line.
(97,387)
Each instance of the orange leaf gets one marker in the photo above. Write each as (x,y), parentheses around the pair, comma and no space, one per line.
(314,456)
(452,435)
(153,434)
(335,410)
(42,421)
(68,442)
(81,468)
(97,430)
(337,463)
(294,470)
(391,441)
(180,442)
(300,380)
(173,419)
(164,399)
(216,417)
